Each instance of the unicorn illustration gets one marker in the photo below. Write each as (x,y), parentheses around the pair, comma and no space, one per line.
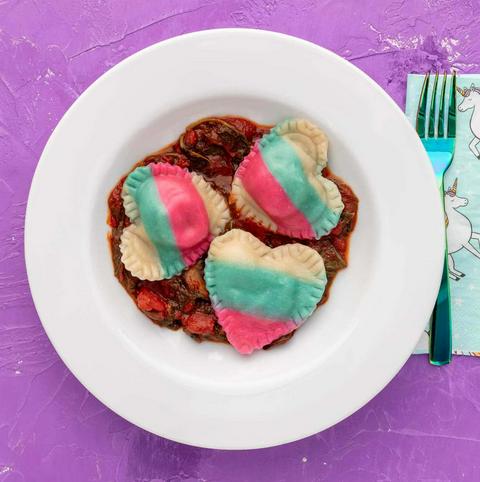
(459,230)
(472,101)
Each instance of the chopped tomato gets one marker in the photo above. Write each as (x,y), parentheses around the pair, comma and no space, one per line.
(199,323)
(188,306)
(111,221)
(190,138)
(147,300)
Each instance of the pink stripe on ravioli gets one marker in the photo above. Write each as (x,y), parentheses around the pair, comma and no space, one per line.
(259,182)
(186,209)
(247,332)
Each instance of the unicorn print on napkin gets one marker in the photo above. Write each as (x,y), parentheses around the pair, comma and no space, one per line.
(460,233)
(471,100)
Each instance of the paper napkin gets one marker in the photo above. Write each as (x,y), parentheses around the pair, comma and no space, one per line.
(462,186)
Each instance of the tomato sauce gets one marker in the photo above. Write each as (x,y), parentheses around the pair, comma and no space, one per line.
(214,147)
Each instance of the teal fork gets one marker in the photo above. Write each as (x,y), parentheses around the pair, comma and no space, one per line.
(438,138)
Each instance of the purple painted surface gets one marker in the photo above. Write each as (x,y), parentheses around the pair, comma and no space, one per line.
(424,426)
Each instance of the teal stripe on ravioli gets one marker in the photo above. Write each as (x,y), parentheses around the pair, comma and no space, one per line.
(283,162)
(154,217)
(260,291)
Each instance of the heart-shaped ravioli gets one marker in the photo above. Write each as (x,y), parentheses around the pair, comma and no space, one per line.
(280,184)
(260,294)
(174,214)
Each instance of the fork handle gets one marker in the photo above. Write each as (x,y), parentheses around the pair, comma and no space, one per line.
(441,328)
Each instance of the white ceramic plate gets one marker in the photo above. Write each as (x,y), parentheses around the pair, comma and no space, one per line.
(206,394)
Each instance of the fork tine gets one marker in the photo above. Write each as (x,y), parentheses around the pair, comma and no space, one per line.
(441,109)
(431,118)
(422,107)
(452,107)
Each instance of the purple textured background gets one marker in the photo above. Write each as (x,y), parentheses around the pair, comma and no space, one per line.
(424,426)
